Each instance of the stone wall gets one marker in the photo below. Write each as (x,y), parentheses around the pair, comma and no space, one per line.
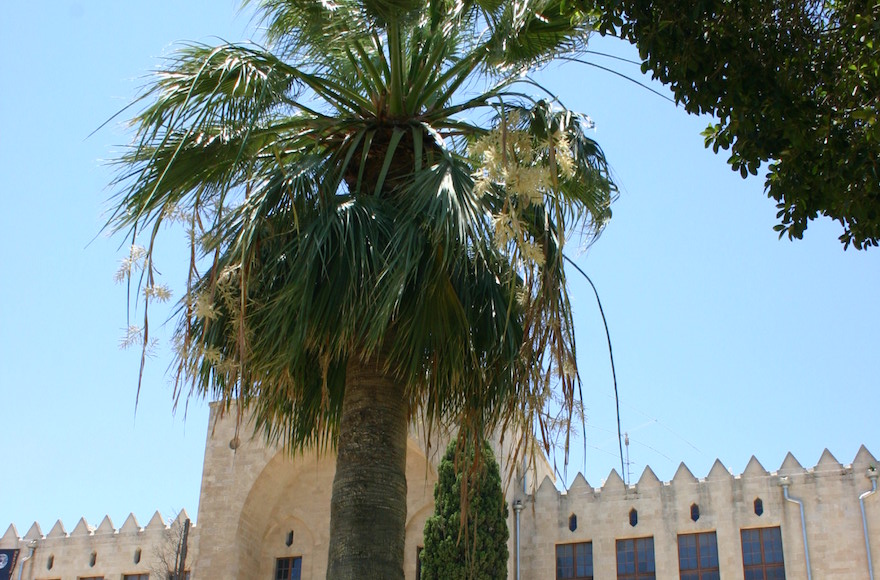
(720,503)
(259,503)
(253,496)
(102,551)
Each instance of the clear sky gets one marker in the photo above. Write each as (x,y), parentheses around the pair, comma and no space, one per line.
(728,342)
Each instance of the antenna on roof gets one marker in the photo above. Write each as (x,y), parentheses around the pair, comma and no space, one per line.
(626,442)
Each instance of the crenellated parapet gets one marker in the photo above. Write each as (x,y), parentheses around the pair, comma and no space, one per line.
(130,530)
(684,483)
(102,550)
(259,506)
(721,503)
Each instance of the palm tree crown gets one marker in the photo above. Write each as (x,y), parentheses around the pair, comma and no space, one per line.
(377,181)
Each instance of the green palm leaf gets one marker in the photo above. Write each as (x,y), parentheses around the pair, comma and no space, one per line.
(343,223)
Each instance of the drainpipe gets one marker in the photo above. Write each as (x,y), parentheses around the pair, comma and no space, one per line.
(785,483)
(33,548)
(872,475)
(517,508)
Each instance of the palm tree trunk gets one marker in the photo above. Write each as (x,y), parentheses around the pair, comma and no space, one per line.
(368,507)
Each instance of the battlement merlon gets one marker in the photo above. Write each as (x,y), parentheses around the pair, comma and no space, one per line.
(862,465)
(58,536)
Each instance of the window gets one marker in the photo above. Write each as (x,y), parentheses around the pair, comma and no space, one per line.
(173,575)
(419,562)
(91,578)
(288,568)
(574,561)
(633,517)
(762,554)
(635,559)
(135,577)
(698,556)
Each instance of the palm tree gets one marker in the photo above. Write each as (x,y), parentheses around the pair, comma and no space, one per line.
(377,210)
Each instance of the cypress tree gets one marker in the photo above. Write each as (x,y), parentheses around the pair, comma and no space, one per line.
(476,550)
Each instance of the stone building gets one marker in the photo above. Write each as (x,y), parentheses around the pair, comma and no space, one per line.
(264,515)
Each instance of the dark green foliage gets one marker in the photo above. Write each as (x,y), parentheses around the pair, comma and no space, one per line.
(795,84)
(477,550)
(338,239)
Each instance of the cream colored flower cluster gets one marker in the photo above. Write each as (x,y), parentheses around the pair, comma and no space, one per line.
(225,293)
(524,169)
(134,261)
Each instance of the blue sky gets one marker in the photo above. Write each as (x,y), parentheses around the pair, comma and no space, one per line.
(727,341)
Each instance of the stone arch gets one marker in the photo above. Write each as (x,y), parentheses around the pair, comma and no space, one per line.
(304,546)
(415,537)
(289,491)
(293,493)
(421,475)
(415,526)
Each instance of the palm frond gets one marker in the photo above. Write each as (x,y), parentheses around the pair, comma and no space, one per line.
(338,208)
(532,32)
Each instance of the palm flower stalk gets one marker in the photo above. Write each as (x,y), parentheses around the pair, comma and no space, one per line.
(377,209)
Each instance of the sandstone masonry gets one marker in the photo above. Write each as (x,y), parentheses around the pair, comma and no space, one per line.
(259,505)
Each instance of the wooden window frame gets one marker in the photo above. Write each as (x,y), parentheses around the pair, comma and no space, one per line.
(636,574)
(290,560)
(700,572)
(763,566)
(574,561)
